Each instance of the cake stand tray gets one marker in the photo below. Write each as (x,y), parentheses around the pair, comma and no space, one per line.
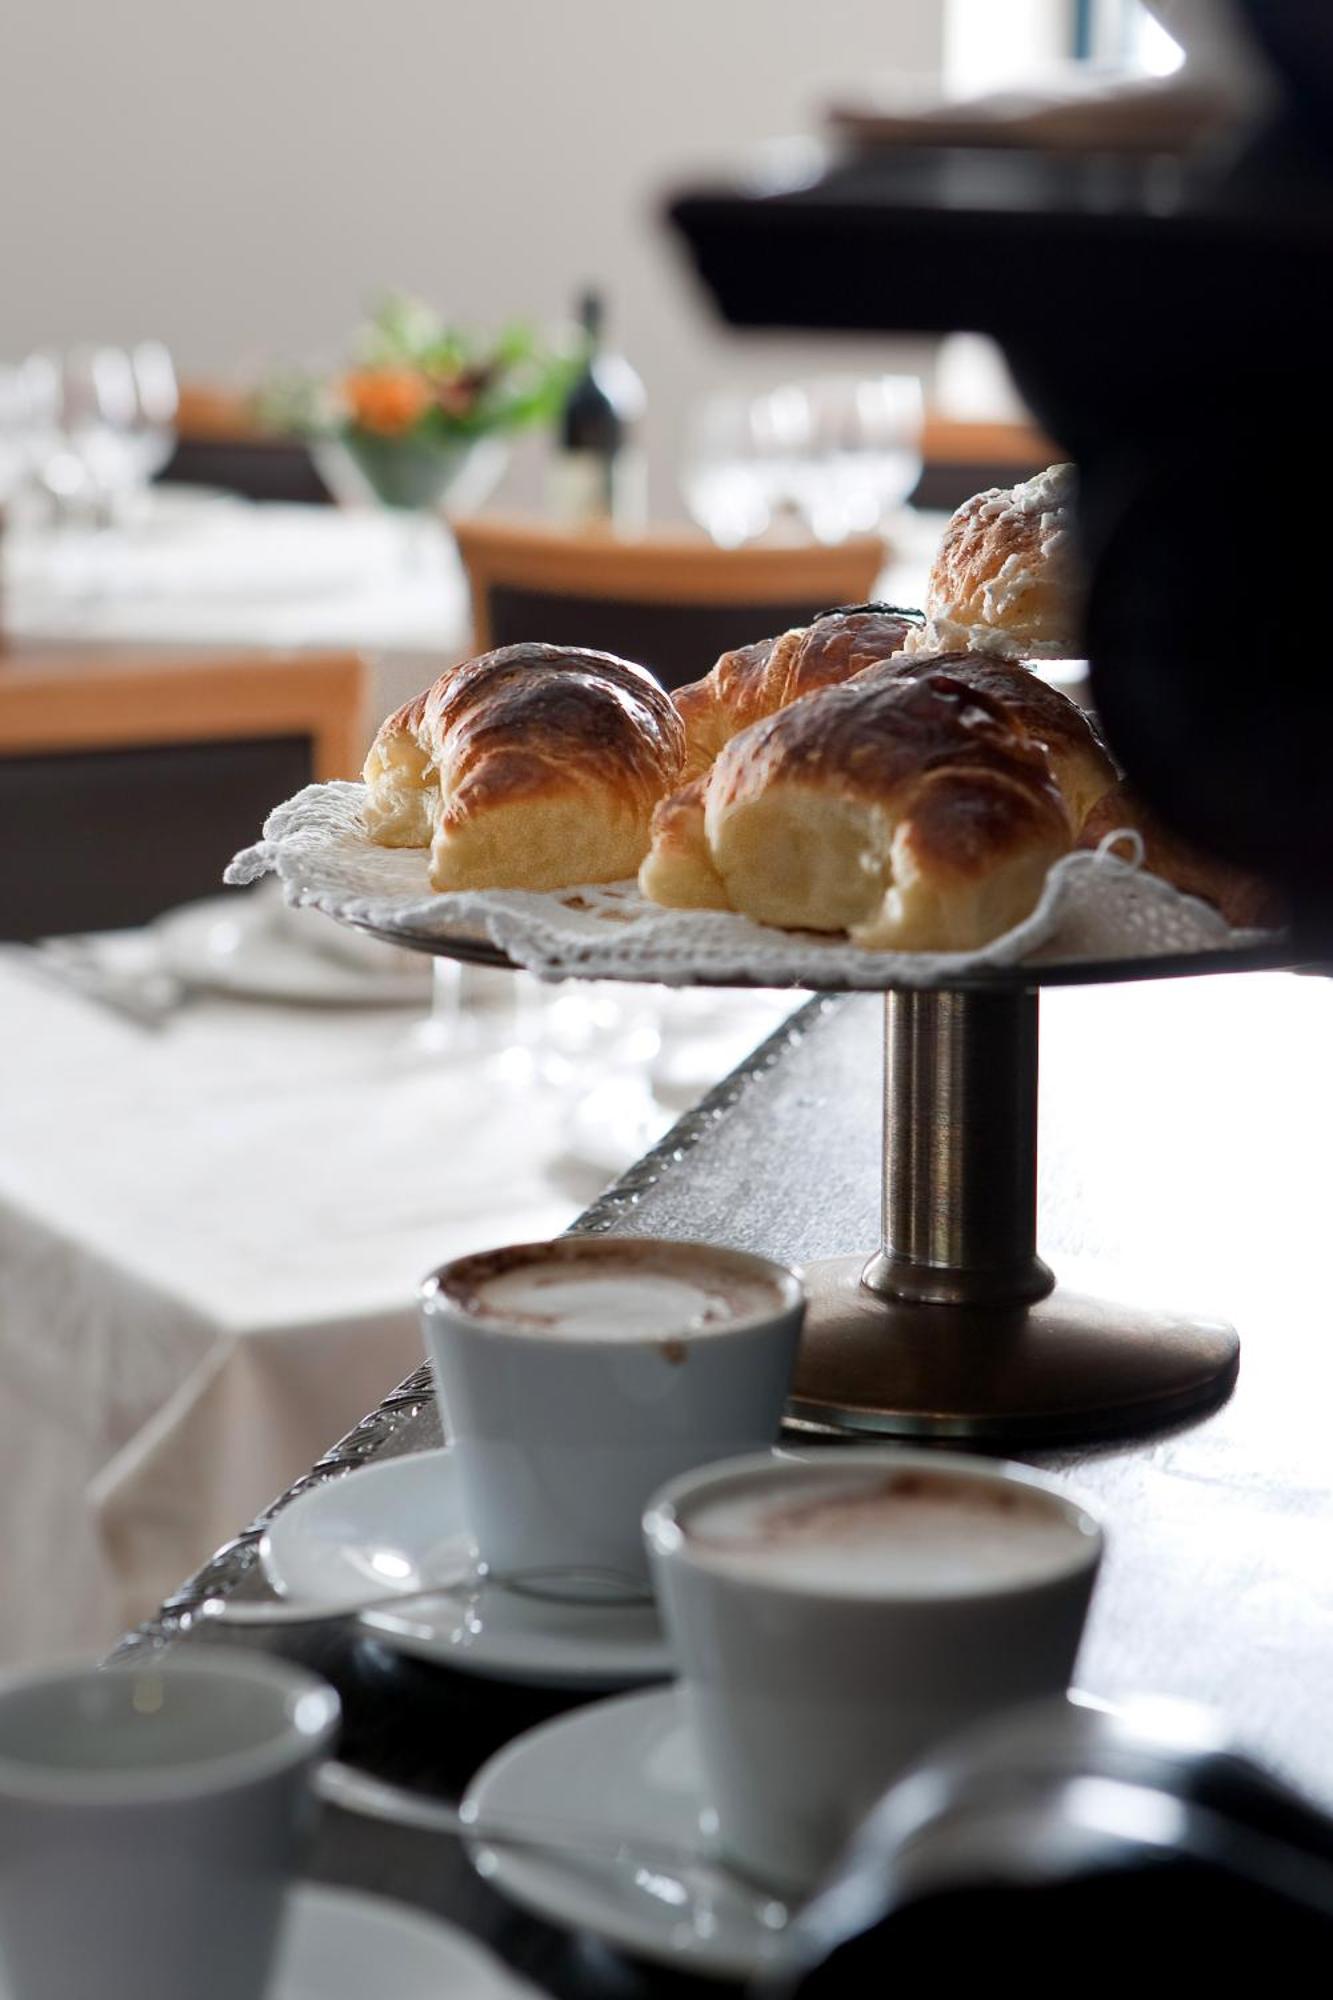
(477,949)
(954,1329)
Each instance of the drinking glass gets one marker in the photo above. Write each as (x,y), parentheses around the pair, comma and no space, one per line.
(157,400)
(861,452)
(14,432)
(724,477)
(98,413)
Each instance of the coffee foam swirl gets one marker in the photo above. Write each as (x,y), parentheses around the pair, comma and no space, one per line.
(575,1289)
(910,1533)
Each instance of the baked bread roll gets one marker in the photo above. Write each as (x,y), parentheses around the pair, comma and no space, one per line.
(1246,901)
(1079,760)
(913,813)
(534,767)
(678,869)
(755,681)
(1007,578)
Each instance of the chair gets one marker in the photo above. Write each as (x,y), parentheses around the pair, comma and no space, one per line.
(961,457)
(128,779)
(672,601)
(219,443)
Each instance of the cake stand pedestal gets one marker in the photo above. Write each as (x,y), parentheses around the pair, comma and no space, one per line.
(955,1328)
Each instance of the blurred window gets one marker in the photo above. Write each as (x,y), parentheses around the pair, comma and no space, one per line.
(987,47)
(1123,33)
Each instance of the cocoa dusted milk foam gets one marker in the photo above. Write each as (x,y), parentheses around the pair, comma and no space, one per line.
(914,1533)
(599,1291)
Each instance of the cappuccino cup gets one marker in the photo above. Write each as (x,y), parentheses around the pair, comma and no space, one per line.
(834,1616)
(150,1820)
(577,1376)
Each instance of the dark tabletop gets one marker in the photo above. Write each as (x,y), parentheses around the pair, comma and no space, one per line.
(1185,1160)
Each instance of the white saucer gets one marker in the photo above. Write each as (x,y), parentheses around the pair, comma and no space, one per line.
(630,1765)
(256,947)
(398,1524)
(338,1946)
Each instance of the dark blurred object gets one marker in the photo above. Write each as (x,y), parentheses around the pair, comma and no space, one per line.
(128,779)
(1169,319)
(268,468)
(670,601)
(1113,1839)
(221,442)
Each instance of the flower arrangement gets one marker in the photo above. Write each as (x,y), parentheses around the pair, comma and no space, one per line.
(419,397)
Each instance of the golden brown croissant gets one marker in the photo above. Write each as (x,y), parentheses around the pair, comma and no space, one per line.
(1007,578)
(1079,761)
(534,767)
(1244,899)
(755,681)
(678,869)
(914,813)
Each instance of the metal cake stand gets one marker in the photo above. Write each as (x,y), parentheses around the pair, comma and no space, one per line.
(954,1327)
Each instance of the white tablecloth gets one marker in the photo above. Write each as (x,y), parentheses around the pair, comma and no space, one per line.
(211,1233)
(210,1236)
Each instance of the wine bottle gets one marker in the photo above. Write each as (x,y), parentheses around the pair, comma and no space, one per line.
(598,476)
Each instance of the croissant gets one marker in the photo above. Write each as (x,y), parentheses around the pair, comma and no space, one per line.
(534,767)
(913,812)
(1007,577)
(758,680)
(1079,761)
(678,869)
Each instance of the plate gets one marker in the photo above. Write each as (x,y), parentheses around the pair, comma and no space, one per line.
(398,1525)
(628,1765)
(256,947)
(338,1946)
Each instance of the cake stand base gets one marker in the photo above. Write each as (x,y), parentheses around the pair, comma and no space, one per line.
(1063,1367)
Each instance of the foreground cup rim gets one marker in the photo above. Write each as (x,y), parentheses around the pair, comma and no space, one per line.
(303,1727)
(667,1541)
(786,1279)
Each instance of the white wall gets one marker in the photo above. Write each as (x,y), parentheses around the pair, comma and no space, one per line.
(240,178)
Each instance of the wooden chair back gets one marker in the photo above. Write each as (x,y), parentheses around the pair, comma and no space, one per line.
(670,600)
(129,777)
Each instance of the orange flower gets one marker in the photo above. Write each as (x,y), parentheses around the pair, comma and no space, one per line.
(386,400)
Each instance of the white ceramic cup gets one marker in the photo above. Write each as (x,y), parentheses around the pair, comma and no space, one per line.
(810,1695)
(560,1439)
(150,1818)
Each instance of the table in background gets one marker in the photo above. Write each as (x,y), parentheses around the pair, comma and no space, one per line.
(209,569)
(213,570)
(1184,1157)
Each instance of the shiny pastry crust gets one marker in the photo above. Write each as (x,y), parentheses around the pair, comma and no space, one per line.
(1245,900)
(913,813)
(756,681)
(534,767)
(1007,578)
(1079,761)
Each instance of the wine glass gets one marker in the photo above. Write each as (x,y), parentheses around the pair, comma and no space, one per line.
(99,412)
(859,454)
(157,400)
(861,450)
(722,477)
(14,432)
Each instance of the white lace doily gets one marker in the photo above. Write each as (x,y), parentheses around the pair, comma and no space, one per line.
(1094,907)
